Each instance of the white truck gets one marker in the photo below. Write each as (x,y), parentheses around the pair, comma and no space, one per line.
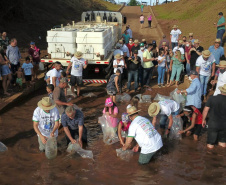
(95,36)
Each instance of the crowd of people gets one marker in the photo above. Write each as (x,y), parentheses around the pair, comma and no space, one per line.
(12,70)
(136,61)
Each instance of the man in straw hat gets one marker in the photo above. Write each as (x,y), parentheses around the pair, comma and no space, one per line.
(217,50)
(205,66)
(194,92)
(195,52)
(220,79)
(166,108)
(78,64)
(175,35)
(45,121)
(147,138)
(216,107)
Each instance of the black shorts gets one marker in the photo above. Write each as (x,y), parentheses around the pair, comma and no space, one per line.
(27,78)
(216,135)
(76,80)
(197,129)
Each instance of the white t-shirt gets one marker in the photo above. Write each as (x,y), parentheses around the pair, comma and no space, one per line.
(124,49)
(220,82)
(145,134)
(178,48)
(168,106)
(140,54)
(46,121)
(77,66)
(118,51)
(55,73)
(175,35)
(205,66)
(163,63)
(121,63)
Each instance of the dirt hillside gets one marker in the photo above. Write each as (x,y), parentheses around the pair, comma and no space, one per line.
(29,20)
(195,16)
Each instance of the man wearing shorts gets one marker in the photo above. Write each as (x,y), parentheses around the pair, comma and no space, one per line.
(216,108)
(78,64)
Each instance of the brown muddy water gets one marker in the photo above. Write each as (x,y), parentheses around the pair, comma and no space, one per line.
(178,162)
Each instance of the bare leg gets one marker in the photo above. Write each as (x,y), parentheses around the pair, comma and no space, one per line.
(196,138)
(170,83)
(222,144)
(113,98)
(4,84)
(73,90)
(210,146)
(177,83)
(78,90)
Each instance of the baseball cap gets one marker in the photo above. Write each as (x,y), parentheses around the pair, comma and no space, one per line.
(141,44)
(32,43)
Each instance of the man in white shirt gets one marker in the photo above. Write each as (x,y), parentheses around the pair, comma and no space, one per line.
(175,35)
(78,64)
(221,77)
(45,121)
(166,108)
(55,74)
(205,66)
(147,138)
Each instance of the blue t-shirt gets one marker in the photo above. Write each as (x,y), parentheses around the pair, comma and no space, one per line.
(73,123)
(27,68)
(217,53)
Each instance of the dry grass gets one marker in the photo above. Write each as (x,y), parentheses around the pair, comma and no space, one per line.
(195,16)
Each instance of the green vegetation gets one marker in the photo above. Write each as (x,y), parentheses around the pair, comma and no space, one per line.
(134,3)
(195,16)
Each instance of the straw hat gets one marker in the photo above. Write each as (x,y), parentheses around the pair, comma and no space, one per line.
(196,41)
(206,53)
(132,110)
(136,41)
(120,41)
(180,42)
(143,40)
(46,104)
(222,64)
(190,34)
(218,40)
(175,26)
(222,88)
(153,109)
(164,43)
(118,56)
(78,54)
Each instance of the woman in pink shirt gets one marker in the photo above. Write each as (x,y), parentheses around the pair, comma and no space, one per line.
(188,55)
(123,128)
(141,20)
(149,20)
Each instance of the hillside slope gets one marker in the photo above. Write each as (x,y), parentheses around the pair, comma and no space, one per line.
(29,20)
(195,16)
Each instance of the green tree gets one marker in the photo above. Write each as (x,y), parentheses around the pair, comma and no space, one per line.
(133,3)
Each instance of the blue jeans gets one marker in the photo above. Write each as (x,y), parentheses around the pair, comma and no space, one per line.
(142,9)
(147,75)
(220,34)
(161,74)
(176,70)
(164,118)
(174,44)
(188,69)
(134,75)
(204,81)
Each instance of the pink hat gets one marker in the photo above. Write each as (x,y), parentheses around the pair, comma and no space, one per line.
(108,102)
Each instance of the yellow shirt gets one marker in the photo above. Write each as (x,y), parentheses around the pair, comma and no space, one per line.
(147,55)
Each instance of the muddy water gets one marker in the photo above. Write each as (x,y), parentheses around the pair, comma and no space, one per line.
(178,162)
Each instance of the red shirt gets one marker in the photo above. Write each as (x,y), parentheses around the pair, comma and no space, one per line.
(198,120)
(125,128)
(187,49)
(130,46)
